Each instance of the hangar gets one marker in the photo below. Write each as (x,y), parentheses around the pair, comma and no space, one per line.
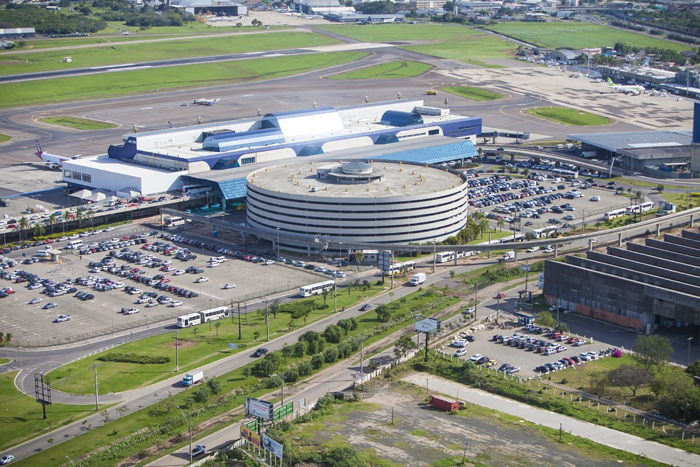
(198,150)
(644,286)
(218,8)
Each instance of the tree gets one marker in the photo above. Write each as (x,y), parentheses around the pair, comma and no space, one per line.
(2,337)
(630,377)
(325,293)
(545,318)
(692,370)
(52,221)
(333,333)
(359,257)
(275,307)
(383,313)
(23,225)
(660,188)
(79,215)
(501,223)
(8,338)
(217,325)
(256,334)
(651,350)
(39,229)
(344,457)
(404,345)
(246,372)
(90,214)
(214,385)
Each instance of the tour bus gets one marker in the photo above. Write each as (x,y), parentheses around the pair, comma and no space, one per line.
(315,289)
(174,221)
(615,214)
(565,173)
(74,244)
(444,256)
(204,316)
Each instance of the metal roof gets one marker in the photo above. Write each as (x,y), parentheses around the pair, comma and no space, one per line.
(631,140)
(435,154)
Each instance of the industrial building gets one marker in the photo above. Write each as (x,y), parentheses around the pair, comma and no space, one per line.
(166,160)
(218,8)
(644,286)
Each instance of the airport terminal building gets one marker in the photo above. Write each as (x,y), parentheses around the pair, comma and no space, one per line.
(644,286)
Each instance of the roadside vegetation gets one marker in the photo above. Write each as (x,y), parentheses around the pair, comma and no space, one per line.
(22,417)
(143,81)
(390,70)
(476,94)
(77,123)
(683,201)
(156,430)
(5,138)
(570,117)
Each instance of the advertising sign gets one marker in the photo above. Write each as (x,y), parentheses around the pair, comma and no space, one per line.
(426,325)
(258,408)
(250,435)
(232,345)
(540,282)
(273,446)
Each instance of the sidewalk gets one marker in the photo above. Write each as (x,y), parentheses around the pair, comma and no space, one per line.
(598,434)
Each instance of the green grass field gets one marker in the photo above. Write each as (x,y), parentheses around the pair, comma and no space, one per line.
(475,94)
(390,70)
(578,35)
(22,416)
(5,138)
(77,123)
(134,82)
(447,40)
(177,48)
(570,117)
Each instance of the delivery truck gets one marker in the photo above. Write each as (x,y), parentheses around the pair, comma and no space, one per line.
(418,279)
(193,377)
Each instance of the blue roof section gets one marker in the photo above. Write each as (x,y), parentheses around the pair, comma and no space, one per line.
(435,154)
(397,118)
(230,140)
(233,189)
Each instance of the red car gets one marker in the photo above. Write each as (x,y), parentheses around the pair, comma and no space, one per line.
(47,241)
(8,290)
(500,295)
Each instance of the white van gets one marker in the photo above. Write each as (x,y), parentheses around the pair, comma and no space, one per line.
(74,244)
(508,256)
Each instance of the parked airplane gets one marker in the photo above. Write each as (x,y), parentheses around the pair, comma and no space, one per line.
(52,161)
(205,101)
(625,88)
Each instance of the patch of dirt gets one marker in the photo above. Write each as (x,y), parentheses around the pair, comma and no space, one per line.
(422,436)
(183,344)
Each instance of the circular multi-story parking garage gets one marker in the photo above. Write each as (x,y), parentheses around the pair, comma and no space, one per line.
(377,202)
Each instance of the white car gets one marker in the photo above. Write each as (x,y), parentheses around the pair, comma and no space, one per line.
(202,279)
(595,198)
(34,301)
(548,250)
(459,343)
(469,310)
(143,300)
(269,262)
(179,272)
(175,303)
(229,286)
(214,264)
(339,274)
(475,357)
(151,304)
(61,319)
(460,352)
(532,249)
(594,240)
(129,310)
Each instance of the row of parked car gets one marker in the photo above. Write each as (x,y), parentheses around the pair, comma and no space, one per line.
(566,362)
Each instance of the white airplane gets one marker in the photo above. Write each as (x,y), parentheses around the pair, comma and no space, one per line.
(205,101)
(52,161)
(625,88)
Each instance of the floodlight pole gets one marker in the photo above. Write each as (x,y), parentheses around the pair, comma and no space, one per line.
(190,427)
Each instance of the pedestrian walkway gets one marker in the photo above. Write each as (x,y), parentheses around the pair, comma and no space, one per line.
(596,433)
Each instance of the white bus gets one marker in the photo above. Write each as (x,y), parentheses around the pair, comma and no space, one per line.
(74,244)
(615,214)
(204,316)
(444,256)
(565,173)
(637,208)
(544,232)
(174,221)
(406,266)
(315,289)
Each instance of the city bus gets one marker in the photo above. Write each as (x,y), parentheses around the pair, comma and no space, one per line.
(637,208)
(203,316)
(615,214)
(444,256)
(174,221)
(544,232)
(315,289)
(565,173)
(406,266)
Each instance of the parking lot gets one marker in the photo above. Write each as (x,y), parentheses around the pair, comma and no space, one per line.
(32,324)
(525,358)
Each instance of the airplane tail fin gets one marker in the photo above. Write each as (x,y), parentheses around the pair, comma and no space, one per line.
(39,152)
(610,82)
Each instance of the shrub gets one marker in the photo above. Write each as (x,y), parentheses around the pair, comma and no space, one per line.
(133,358)
(202,394)
(330,355)
(304,369)
(291,376)
(317,362)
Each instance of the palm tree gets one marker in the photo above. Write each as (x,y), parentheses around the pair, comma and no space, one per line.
(23,225)
(79,214)
(52,221)
(90,214)
(501,223)
(359,257)
(38,229)
(2,337)
(483,226)
(8,338)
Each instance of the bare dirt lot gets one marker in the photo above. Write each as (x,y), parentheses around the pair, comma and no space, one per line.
(421,435)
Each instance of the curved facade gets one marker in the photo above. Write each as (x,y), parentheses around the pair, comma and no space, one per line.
(402,203)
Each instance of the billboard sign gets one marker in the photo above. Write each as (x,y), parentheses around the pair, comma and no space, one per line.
(273,446)
(525,268)
(426,325)
(540,282)
(250,435)
(258,408)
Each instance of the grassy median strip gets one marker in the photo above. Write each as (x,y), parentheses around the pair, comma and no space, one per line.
(570,117)
(22,417)
(390,70)
(143,81)
(77,123)
(156,429)
(475,94)
(5,138)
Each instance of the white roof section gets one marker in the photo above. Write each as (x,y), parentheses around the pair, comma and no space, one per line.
(635,140)
(203,3)
(115,166)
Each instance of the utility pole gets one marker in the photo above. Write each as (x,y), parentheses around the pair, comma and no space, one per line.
(476,298)
(97,401)
(434,254)
(177,356)
(267,322)
(239,321)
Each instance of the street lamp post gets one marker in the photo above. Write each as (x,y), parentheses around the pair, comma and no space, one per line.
(689,339)
(71,461)
(190,427)
(278,243)
(281,379)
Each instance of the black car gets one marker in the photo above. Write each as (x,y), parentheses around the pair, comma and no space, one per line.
(260,352)
(469,338)
(366,307)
